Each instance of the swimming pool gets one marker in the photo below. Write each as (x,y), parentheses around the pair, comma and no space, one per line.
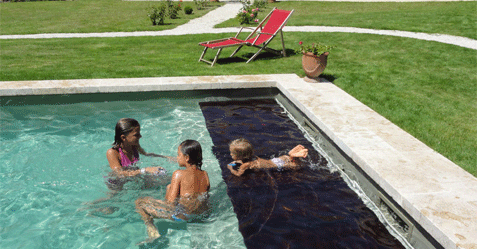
(52,159)
(368,145)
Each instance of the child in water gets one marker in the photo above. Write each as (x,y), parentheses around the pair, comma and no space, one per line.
(186,196)
(241,151)
(125,153)
(122,158)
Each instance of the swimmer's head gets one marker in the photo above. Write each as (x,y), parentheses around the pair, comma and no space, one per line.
(241,149)
(123,127)
(192,149)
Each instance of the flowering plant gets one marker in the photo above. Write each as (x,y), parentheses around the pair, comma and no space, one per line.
(315,48)
(247,15)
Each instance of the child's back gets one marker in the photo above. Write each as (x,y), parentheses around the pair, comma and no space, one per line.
(194,186)
(194,181)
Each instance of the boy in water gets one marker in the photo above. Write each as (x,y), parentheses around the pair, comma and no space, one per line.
(241,151)
(185,196)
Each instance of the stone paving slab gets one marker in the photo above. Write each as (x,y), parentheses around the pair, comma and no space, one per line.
(437,193)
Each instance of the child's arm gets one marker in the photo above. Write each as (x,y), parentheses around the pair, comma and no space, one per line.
(240,171)
(143,152)
(174,188)
(207,181)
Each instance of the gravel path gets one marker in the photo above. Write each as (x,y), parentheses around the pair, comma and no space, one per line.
(205,24)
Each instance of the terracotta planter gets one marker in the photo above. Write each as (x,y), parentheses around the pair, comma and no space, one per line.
(314,65)
(271,1)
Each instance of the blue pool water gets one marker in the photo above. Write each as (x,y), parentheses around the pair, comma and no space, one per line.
(53,159)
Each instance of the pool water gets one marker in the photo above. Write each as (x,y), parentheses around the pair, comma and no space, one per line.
(53,160)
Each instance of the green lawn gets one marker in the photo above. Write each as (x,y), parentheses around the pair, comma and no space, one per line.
(87,16)
(452,18)
(427,88)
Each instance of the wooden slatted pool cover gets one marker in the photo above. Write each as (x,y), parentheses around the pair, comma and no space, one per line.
(307,208)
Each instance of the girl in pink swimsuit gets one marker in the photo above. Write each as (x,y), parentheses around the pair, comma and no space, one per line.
(125,153)
(122,158)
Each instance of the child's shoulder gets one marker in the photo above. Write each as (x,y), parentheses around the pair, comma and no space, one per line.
(112,151)
(178,171)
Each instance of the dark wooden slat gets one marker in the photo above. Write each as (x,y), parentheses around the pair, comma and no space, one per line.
(307,208)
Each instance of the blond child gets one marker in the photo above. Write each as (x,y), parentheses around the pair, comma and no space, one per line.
(241,151)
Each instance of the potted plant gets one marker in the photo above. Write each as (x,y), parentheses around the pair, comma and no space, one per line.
(314,59)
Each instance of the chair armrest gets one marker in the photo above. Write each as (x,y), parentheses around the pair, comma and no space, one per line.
(266,33)
(241,28)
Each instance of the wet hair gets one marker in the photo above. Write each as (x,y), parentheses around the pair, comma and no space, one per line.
(242,148)
(192,149)
(123,127)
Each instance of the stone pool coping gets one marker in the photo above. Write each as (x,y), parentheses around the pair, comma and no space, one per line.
(434,191)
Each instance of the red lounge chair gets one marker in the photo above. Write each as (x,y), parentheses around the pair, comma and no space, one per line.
(275,21)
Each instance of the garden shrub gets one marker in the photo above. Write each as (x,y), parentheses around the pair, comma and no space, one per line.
(173,9)
(261,4)
(157,14)
(188,10)
(200,4)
